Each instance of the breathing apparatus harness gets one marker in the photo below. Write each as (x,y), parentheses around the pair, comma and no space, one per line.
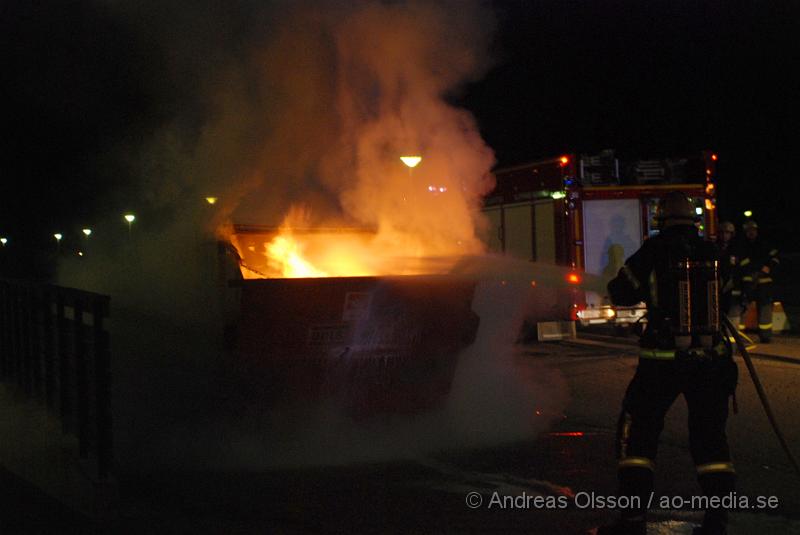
(686,321)
(698,328)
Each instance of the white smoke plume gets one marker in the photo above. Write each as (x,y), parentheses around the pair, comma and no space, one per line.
(268,105)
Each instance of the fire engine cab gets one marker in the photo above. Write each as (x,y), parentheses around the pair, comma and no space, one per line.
(590,213)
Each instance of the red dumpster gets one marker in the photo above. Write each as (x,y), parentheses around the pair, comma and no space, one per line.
(376,344)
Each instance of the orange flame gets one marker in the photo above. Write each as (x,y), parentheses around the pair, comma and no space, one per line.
(297,250)
(285,254)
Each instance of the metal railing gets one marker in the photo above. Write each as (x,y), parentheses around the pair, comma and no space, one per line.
(55,348)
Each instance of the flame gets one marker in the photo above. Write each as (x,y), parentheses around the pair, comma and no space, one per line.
(298,250)
(286,254)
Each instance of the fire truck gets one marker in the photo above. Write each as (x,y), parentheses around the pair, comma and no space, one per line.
(589,213)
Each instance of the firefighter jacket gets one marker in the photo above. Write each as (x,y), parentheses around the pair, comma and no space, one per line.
(729,275)
(648,276)
(753,256)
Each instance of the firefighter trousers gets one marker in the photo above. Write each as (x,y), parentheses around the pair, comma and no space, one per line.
(706,383)
(758,289)
(763,297)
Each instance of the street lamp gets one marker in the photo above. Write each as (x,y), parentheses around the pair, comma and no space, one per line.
(58,237)
(748,213)
(211,200)
(86,232)
(4,241)
(130,218)
(411,161)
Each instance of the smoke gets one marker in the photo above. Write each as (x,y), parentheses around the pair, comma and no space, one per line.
(269,105)
(390,99)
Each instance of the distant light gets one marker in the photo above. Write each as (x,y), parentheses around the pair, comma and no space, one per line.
(710,188)
(87,231)
(58,236)
(573,278)
(442,189)
(431,188)
(708,171)
(533,283)
(567,434)
(709,204)
(130,218)
(411,161)
(714,157)
(4,240)
(558,195)
(748,213)
(80,253)
(698,210)
(211,200)
(564,160)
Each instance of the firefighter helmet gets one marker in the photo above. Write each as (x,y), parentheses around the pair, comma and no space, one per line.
(749,224)
(676,206)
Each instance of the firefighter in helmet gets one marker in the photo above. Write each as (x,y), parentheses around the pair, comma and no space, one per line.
(757,263)
(730,283)
(681,352)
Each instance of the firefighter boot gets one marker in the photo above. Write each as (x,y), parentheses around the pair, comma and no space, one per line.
(635,482)
(716,484)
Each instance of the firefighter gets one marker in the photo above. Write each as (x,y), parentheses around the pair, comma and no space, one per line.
(730,283)
(757,263)
(681,352)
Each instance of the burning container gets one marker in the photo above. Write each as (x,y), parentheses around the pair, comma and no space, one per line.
(377,344)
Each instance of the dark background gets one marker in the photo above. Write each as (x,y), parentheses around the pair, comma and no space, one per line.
(645,78)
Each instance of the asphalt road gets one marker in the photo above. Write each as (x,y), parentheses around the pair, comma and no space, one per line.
(438,493)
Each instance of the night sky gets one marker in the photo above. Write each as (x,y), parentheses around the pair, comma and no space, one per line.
(645,78)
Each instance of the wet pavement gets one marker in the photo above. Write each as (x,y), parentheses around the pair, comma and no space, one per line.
(531,486)
(784,346)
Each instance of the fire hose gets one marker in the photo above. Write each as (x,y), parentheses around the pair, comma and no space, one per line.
(762,395)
